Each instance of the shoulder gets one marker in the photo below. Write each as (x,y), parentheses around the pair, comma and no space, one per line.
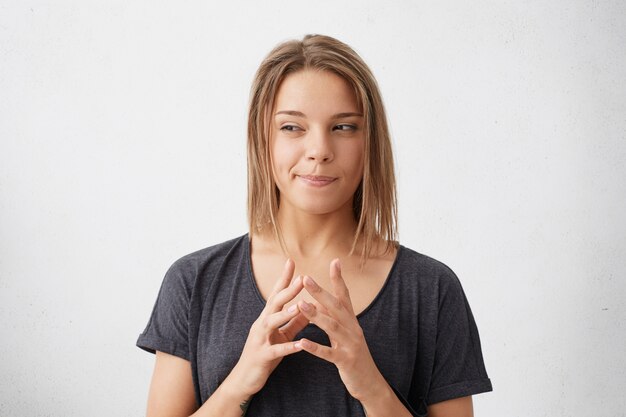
(210,254)
(425,265)
(185,270)
(431,275)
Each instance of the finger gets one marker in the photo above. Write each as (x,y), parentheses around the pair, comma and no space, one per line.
(332,327)
(277,301)
(295,326)
(275,320)
(320,308)
(321,351)
(285,278)
(339,287)
(282,349)
(334,306)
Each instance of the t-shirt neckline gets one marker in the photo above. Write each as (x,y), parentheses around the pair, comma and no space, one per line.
(262,301)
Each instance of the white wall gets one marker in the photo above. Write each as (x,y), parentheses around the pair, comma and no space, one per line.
(122,148)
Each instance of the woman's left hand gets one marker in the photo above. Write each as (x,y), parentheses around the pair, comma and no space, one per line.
(348,349)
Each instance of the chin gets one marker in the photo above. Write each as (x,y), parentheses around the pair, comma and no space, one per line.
(319,205)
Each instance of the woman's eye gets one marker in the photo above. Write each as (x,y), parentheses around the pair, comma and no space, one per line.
(290,128)
(345,128)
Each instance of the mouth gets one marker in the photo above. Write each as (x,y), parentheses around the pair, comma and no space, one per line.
(316,180)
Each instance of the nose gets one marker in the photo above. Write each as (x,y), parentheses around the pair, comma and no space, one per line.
(319,146)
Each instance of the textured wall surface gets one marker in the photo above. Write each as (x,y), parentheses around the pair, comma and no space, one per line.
(122,148)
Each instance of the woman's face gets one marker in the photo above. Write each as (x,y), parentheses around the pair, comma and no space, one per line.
(317,142)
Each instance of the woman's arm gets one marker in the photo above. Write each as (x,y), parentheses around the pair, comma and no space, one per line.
(172,393)
(458,407)
(171,390)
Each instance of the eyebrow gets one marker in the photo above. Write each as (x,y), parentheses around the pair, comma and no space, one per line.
(335,116)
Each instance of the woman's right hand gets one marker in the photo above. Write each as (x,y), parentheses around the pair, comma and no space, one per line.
(270,339)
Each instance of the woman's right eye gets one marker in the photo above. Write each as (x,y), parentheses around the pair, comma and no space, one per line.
(290,128)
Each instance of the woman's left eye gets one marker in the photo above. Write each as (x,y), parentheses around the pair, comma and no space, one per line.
(345,128)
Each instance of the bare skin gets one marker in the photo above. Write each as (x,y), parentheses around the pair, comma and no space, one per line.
(267,259)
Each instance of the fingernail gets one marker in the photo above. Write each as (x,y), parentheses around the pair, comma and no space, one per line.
(292,308)
(297,345)
(287,262)
(296,281)
(306,306)
(338,264)
(310,282)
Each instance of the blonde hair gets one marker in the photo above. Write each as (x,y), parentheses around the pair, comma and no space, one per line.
(374,204)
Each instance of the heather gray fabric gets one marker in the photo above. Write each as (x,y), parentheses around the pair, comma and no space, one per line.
(419,329)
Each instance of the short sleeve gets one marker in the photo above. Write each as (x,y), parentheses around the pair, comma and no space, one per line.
(167,330)
(458,369)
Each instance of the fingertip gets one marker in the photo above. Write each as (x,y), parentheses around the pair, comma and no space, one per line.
(297,280)
(305,307)
(335,267)
(307,280)
(305,344)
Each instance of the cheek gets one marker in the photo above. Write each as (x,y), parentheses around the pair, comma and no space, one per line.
(284,158)
(357,151)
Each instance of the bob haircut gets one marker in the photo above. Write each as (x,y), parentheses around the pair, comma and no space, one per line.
(374,203)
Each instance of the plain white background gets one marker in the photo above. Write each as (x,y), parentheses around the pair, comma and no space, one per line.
(122,127)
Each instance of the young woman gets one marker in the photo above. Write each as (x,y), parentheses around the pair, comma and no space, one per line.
(317,310)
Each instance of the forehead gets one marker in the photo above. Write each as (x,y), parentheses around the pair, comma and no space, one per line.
(316,92)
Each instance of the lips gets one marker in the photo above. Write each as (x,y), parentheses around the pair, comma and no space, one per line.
(316,180)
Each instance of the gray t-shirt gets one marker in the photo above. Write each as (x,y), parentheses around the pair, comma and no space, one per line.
(419,329)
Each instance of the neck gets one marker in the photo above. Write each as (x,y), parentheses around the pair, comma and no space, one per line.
(310,235)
